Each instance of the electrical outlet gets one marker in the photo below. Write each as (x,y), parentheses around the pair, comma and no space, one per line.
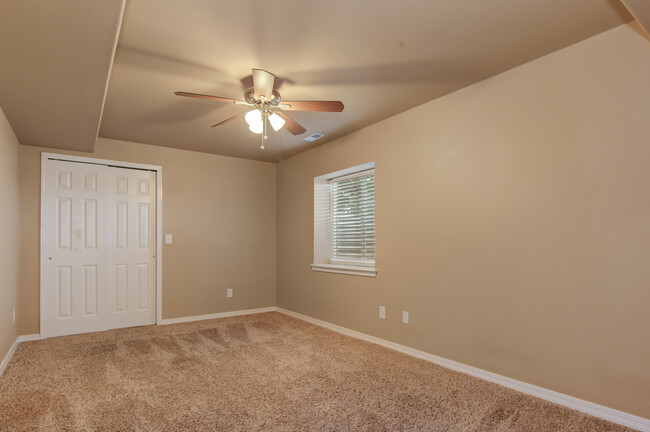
(229,292)
(168,239)
(405,317)
(14,313)
(382,312)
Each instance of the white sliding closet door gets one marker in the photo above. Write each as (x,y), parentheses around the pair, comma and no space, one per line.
(76,248)
(100,268)
(132,270)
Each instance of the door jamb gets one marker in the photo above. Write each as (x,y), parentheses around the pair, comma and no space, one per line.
(43,238)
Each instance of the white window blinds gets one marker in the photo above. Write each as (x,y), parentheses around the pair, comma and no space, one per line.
(352,205)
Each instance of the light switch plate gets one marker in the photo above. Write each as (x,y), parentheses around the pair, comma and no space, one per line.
(168,239)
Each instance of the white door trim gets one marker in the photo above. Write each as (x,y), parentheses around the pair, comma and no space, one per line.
(43,238)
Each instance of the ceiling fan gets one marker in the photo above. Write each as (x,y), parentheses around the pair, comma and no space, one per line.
(268,106)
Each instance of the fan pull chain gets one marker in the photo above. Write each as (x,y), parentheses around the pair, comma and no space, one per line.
(264,136)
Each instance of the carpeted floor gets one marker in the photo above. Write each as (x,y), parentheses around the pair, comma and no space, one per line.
(265,372)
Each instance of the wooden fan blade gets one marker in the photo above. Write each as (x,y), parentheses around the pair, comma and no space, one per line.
(202,96)
(331,106)
(291,125)
(228,120)
(263,83)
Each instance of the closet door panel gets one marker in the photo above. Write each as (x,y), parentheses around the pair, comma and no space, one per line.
(76,248)
(132,250)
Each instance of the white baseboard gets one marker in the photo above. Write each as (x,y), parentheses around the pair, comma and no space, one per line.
(28,338)
(217,315)
(584,406)
(5,361)
(12,350)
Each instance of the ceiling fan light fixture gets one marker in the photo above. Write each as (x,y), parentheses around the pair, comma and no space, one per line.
(253,118)
(276,122)
(257,128)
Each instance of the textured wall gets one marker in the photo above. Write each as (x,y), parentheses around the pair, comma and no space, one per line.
(9,233)
(513,223)
(220,211)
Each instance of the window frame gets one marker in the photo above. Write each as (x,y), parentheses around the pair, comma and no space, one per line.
(323,260)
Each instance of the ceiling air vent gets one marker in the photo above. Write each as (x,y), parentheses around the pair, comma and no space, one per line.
(314,137)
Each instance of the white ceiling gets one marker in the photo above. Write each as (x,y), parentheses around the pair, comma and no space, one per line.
(55,60)
(380,57)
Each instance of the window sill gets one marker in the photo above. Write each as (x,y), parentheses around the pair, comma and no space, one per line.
(345,269)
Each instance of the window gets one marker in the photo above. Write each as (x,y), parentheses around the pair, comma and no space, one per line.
(352,212)
(344,221)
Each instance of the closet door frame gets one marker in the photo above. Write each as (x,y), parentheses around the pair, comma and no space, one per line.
(43,235)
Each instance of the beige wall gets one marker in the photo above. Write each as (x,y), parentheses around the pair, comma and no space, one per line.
(513,223)
(220,211)
(9,234)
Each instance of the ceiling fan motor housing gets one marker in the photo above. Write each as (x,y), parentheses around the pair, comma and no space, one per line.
(249,97)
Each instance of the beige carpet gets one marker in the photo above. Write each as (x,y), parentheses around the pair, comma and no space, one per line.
(265,372)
